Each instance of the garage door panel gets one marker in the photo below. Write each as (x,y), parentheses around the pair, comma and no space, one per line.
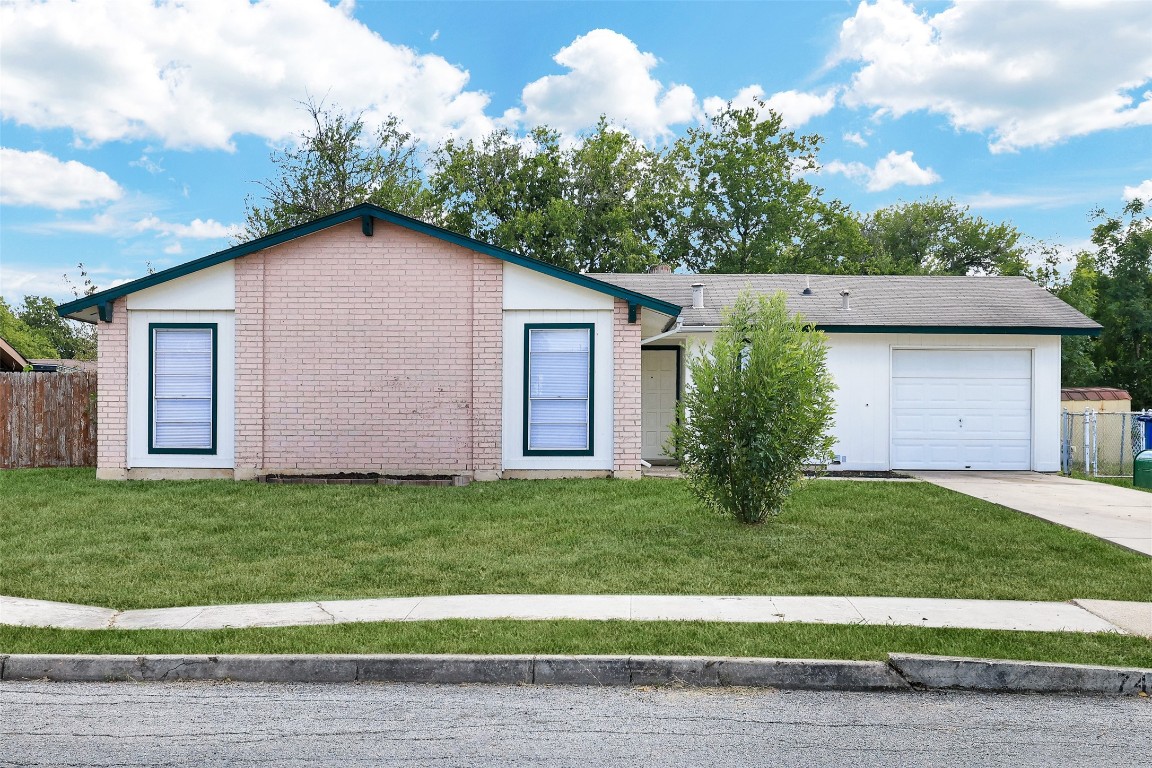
(995,454)
(961,409)
(966,454)
(978,394)
(980,425)
(924,454)
(1015,391)
(924,424)
(962,363)
(1008,424)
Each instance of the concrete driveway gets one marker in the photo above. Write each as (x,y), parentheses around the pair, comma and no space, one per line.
(1120,515)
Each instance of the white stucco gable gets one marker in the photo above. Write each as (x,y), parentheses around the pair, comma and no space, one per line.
(213,288)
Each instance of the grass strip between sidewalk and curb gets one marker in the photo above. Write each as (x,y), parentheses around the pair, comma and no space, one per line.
(657,638)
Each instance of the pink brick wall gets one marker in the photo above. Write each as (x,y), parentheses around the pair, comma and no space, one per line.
(487,361)
(112,390)
(626,391)
(249,373)
(376,353)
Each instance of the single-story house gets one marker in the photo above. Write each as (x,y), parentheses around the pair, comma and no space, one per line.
(1099,399)
(369,341)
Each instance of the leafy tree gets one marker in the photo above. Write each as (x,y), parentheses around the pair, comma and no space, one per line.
(1124,255)
(336,166)
(507,192)
(70,339)
(744,206)
(941,237)
(594,206)
(29,342)
(758,408)
(1077,353)
(620,190)
(832,242)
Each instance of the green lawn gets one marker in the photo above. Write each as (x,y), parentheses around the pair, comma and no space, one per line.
(66,536)
(813,641)
(1123,482)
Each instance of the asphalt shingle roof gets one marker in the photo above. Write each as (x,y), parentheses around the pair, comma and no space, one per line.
(887,300)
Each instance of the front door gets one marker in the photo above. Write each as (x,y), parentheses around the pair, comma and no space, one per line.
(659,385)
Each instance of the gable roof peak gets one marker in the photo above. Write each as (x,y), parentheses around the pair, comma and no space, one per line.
(367,212)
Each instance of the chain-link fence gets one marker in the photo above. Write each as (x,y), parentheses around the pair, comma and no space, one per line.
(1102,444)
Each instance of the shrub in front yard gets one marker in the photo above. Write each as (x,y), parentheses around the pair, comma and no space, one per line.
(757,409)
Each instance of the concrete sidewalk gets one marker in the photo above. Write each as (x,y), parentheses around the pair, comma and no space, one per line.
(1120,515)
(1103,616)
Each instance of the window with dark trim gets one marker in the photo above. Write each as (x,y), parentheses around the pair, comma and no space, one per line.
(559,376)
(182,388)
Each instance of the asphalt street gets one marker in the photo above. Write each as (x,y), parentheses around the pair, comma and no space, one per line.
(207,724)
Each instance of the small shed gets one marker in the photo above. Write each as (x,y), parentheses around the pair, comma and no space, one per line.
(1099,399)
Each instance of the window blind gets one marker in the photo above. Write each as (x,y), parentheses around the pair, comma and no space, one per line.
(182,388)
(559,388)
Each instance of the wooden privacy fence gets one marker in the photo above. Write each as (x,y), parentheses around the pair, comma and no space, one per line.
(47,420)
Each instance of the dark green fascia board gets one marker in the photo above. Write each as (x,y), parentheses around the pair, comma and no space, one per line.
(1022,330)
(366,211)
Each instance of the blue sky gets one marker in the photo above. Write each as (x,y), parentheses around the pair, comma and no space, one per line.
(133,131)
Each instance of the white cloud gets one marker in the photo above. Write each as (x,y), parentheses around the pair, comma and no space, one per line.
(39,179)
(15,284)
(197,74)
(607,74)
(132,217)
(198,229)
(1143,190)
(797,107)
(148,164)
(892,169)
(856,138)
(1028,74)
(1040,201)
(794,107)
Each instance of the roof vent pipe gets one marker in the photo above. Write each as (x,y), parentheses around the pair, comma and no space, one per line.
(697,295)
(807,286)
(844,304)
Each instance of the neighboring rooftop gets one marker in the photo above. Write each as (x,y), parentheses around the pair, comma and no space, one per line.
(10,358)
(1094,394)
(62,365)
(891,302)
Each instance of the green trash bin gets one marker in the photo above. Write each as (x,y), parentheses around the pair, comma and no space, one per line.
(1142,470)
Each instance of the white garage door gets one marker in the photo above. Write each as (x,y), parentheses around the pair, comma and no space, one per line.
(961,409)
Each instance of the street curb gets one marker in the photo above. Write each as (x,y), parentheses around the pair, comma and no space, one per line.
(454,669)
(948,672)
(902,672)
